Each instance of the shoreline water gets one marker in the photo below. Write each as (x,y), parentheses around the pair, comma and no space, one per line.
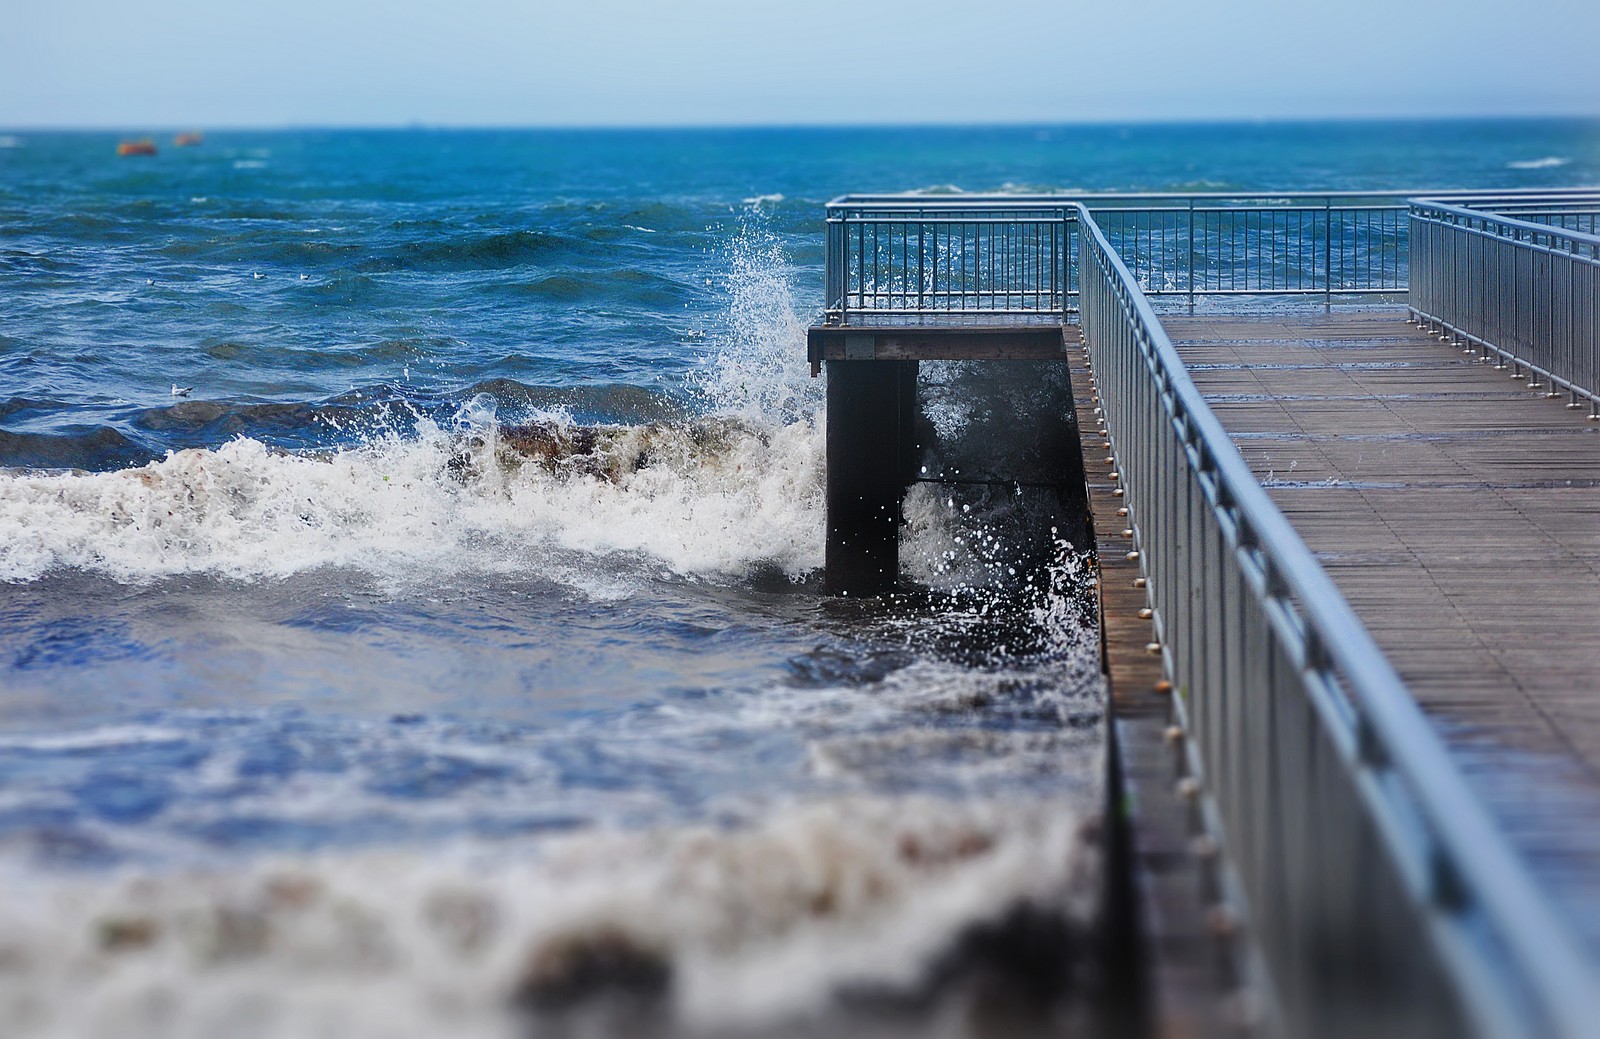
(323,702)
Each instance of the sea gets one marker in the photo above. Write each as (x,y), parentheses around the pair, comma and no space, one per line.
(411,620)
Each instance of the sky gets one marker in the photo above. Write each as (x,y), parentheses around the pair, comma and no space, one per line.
(222,63)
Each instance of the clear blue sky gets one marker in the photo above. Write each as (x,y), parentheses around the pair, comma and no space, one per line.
(213,63)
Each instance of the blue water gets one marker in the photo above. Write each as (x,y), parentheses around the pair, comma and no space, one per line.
(341,272)
(283,609)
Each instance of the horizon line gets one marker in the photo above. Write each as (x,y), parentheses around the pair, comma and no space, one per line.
(420,124)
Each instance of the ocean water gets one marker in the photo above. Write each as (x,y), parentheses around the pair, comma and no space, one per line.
(410,619)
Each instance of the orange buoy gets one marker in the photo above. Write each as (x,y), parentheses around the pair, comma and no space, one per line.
(188,140)
(144,147)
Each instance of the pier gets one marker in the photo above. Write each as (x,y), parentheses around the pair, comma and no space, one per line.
(1341,459)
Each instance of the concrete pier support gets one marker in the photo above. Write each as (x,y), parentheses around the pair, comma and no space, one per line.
(872,409)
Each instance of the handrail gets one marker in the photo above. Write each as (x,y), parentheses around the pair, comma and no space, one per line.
(976,261)
(1526,293)
(1203,521)
(1090,198)
(978,256)
(1509,222)
(901,257)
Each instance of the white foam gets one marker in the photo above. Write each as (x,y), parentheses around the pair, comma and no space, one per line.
(90,739)
(245,511)
(1548,162)
(756,926)
(757,367)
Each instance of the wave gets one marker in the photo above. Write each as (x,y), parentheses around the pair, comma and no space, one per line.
(704,928)
(450,483)
(1548,162)
(22,261)
(496,250)
(95,447)
(137,436)
(703,498)
(625,284)
(595,403)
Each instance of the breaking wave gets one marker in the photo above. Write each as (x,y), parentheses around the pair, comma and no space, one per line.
(738,488)
(711,497)
(691,929)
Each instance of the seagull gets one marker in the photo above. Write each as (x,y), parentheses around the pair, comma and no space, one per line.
(181,391)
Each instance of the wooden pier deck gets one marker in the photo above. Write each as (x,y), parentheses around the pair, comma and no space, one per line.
(1459,512)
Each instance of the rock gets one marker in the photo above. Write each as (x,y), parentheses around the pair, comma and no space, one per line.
(576,968)
(119,933)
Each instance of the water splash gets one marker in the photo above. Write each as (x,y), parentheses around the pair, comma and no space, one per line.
(757,368)
(703,500)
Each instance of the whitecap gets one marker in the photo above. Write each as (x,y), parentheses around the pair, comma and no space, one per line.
(92,739)
(1548,162)
(707,499)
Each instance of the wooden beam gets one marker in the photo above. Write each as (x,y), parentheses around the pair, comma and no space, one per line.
(959,343)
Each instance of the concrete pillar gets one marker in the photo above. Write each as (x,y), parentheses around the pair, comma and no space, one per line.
(871,433)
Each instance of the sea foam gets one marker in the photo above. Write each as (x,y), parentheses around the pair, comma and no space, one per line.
(246,511)
(716,929)
(1548,162)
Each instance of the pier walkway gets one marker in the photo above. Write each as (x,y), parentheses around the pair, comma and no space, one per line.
(1459,513)
(1349,570)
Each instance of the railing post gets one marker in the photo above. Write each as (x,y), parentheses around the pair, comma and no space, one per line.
(836,269)
(1191,254)
(921,253)
(1327,252)
(1065,265)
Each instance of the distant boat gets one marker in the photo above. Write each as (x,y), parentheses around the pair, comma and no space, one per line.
(144,147)
(188,140)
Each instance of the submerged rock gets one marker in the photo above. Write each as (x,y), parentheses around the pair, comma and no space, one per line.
(127,932)
(572,969)
(607,453)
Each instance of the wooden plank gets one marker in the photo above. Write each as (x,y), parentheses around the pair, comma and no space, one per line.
(1459,511)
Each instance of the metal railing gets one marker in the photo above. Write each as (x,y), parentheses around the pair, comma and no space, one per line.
(904,257)
(1261,245)
(1381,897)
(903,261)
(1571,210)
(1521,289)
